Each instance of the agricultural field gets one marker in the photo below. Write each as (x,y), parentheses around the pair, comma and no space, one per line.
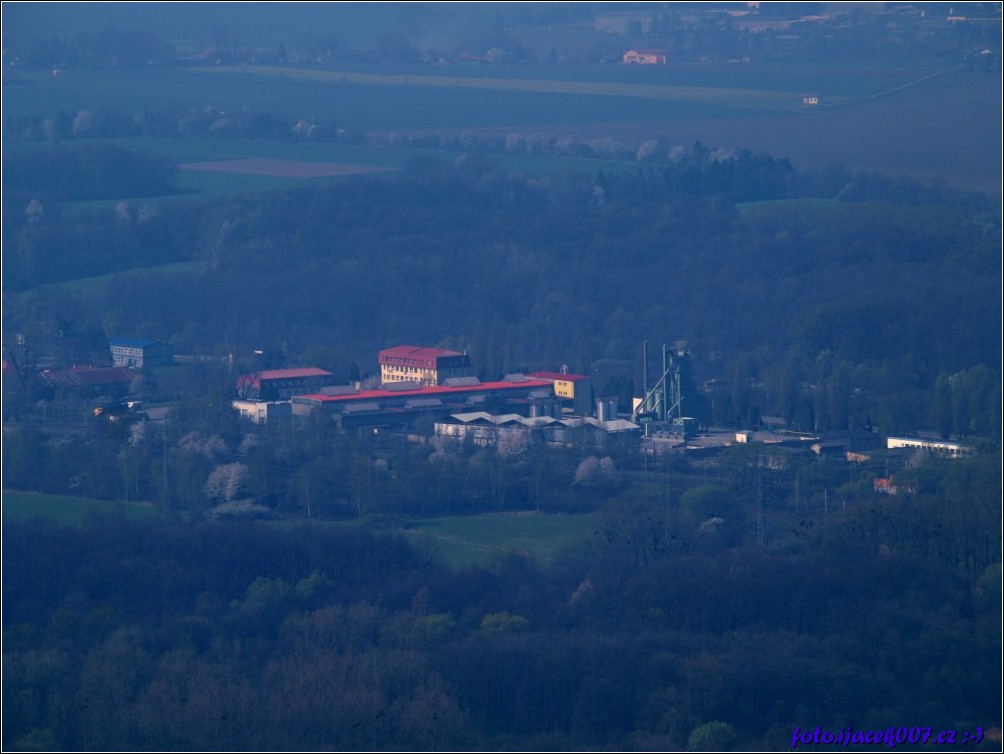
(368,98)
(281,168)
(366,102)
(216,167)
(63,509)
(700,95)
(474,540)
(933,125)
(844,82)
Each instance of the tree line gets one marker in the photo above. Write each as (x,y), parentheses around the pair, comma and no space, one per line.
(86,173)
(127,635)
(178,122)
(109,47)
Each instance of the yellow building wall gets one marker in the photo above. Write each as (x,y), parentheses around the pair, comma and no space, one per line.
(403,374)
(564,388)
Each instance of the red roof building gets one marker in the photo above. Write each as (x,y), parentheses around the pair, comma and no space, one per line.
(279,384)
(88,380)
(425,366)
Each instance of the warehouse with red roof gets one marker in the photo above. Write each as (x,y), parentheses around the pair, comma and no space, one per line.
(279,384)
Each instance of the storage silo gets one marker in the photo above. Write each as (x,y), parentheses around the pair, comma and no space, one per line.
(606,409)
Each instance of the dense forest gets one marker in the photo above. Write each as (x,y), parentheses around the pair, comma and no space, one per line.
(171,635)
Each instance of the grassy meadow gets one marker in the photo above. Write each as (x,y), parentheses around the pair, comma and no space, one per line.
(99,283)
(475,540)
(64,509)
(459,540)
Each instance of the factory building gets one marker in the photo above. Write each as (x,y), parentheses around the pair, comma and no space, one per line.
(138,352)
(263,412)
(425,366)
(576,390)
(86,381)
(938,447)
(401,403)
(487,430)
(280,384)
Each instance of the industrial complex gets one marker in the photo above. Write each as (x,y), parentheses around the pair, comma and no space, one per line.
(439,386)
(433,393)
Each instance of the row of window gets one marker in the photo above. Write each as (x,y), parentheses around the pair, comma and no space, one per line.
(404,361)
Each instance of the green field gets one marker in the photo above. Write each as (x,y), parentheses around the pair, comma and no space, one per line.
(474,540)
(98,283)
(702,95)
(380,98)
(200,185)
(458,96)
(866,112)
(64,509)
(370,104)
(459,540)
(843,81)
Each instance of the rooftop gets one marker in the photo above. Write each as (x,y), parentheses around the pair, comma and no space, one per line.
(558,376)
(133,342)
(255,379)
(415,355)
(87,377)
(286,374)
(425,392)
(482,417)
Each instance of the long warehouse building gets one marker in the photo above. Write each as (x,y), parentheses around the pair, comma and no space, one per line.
(402,402)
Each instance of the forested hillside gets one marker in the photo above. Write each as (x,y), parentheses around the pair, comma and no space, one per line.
(850,295)
(178,636)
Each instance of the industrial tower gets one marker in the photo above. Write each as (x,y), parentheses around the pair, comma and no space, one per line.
(663,401)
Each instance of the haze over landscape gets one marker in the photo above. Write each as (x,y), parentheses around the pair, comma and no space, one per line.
(501,376)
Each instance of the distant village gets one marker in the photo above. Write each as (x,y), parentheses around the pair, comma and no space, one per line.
(432,394)
(675,32)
